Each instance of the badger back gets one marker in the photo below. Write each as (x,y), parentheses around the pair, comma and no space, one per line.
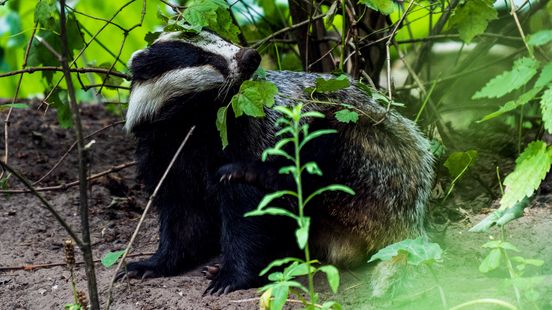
(179,64)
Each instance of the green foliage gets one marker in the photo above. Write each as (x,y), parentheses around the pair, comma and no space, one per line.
(251,100)
(472,17)
(296,133)
(346,116)
(199,14)
(111,258)
(546,107)
(253,97)
(322,85)
(458,162)
(385,7)
(45,13)
(531,168)
(523,70)
(540,38)
(414,251)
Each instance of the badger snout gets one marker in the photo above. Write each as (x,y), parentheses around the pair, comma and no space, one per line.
(248,61)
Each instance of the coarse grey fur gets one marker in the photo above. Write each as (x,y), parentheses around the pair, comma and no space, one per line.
(391,161)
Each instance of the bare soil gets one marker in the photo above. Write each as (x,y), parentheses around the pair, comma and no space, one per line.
(33,275)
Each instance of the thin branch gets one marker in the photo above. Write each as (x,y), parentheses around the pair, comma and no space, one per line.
(86,248)
(72,147)
(388,59)
(33,267)
(520,29)
(60,69)
(46,204)
(70,184)
(456,36)
(148,205)
(287,29)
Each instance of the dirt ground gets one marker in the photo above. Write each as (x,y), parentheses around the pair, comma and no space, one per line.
(30,236)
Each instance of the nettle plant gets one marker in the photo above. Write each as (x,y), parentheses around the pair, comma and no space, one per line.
(296,133)
(534,162)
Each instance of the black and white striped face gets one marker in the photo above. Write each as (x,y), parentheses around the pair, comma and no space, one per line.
(177,64)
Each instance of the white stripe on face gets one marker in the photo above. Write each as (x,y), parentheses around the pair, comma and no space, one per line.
(146,98)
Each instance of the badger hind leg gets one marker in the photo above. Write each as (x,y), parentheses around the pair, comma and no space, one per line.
(249,244)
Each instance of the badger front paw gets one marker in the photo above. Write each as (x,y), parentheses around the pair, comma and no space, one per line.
(139,270)
(262,175)
(226,281)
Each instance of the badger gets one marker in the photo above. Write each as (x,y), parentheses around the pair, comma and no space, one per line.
(181,81)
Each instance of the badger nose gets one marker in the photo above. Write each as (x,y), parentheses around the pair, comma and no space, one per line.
(248,60)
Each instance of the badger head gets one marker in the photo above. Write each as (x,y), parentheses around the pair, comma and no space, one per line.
(179,64)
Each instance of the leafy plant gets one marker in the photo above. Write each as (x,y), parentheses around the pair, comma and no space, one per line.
(296,134)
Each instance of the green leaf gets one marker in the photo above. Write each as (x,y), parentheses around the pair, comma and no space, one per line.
(472,17)
(312,168)
(280,294)
(540,38)
(528,261)
(275,152)
(269,197)
(491,261)
(531,168)
(61,103)
(277,263)
(298,269)
(458,162)
(253,97)
(437,148)
(15,106)
(523,70)
(214,14)
(45,13)
(271,211)
(315,114)
(499,244)
(221,126)
(326,86)
(111,258)
(545,76)
(334,187)
(385,7)
(346,116)
(150,37)
(546,107)
(331,305)
(418,252)
(332,274)
(302,233)
(512,105)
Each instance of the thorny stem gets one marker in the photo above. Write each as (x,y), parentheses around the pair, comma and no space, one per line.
(82,152)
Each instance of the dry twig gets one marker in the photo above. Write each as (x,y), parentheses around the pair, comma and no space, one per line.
(148,206)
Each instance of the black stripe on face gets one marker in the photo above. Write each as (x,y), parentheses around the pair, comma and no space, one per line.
(166,56)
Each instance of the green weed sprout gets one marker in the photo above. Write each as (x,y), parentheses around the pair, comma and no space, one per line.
(276,293)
